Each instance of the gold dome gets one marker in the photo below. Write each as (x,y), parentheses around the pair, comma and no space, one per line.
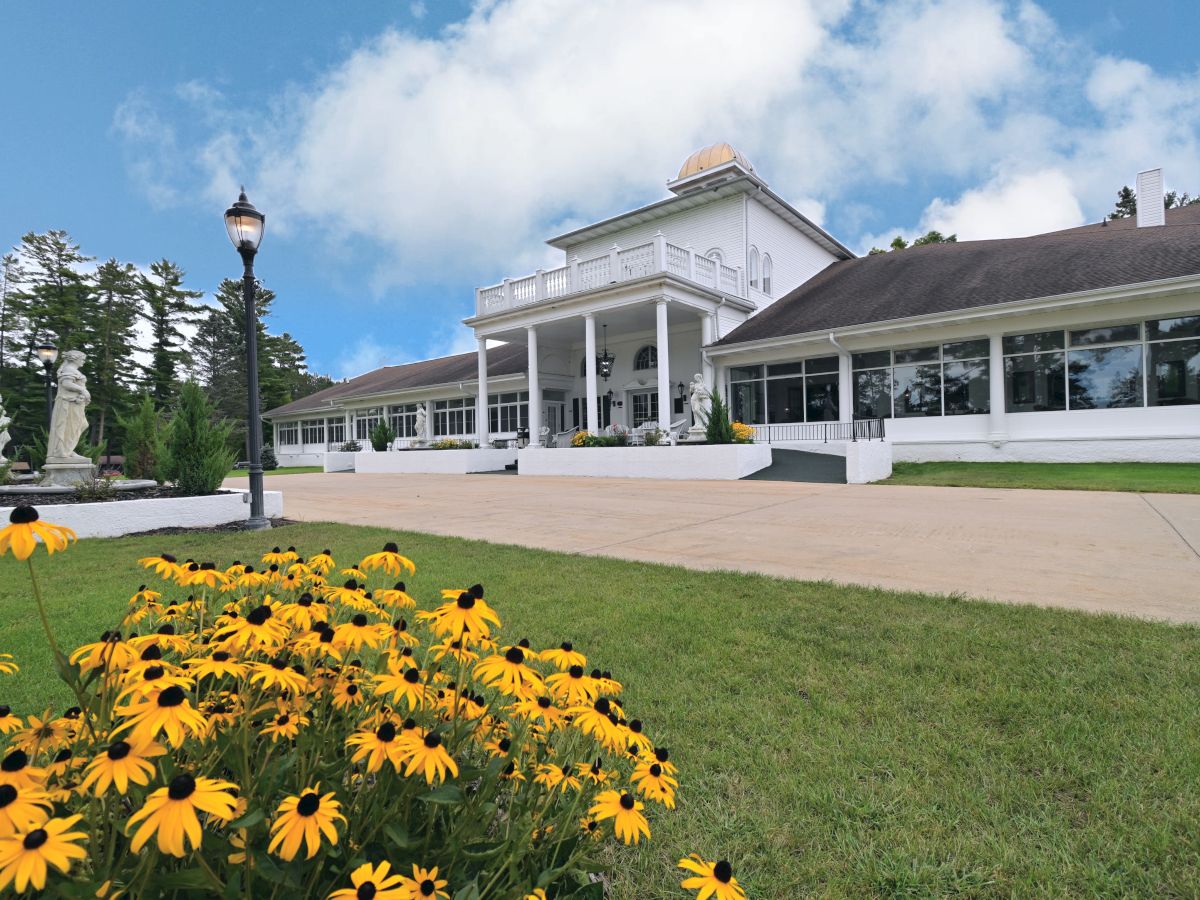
(710,157)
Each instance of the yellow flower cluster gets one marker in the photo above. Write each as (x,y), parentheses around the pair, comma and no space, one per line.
(247,719)
(580,438)
(742,433)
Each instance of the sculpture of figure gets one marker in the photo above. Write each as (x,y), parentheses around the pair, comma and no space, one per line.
(68,421)
(420,424)
(700,398)
(5,421)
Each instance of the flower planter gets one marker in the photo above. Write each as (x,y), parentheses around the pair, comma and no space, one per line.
(115,518)
(707,462)
(441,462)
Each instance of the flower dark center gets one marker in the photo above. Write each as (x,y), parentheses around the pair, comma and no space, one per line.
(723,872)
(15,761)
(351,585)
(544,702)
(220,656)
(661,754)
(636,726)
(575,671)
(181,787)
(352,690)
(412,676)
(386,732)
(279,664)
(23,515)
(389,547)
(172,696)
(515,656)
(626,801)
(282,720)
(167,629)
(305,600)
(366,891)
(504,745)
(259,615)
(63,756)
(656,770)
(568,646)
(309,804)
(466,600)
(359,621)
(5,711)
(35,839)
(602,707)
(151,652)
(433,739)
(400,587)
(119,750)
(427,888)
(153,672)
(8,794)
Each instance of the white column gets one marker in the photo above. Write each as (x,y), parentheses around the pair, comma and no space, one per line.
(708,330)
(997,423)
(664,366)
(535,391)
(845,389)
(589,360)
(481,402)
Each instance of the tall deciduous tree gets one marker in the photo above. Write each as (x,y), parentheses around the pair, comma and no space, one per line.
(1126,205)
(930,237)
(167,306)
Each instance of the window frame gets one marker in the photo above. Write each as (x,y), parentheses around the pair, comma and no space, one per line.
(646,358)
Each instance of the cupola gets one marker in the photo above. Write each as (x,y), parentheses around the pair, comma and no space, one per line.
(708,166)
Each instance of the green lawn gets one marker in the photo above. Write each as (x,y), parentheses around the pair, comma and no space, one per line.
(1166,478)
(282,470)
(835,741)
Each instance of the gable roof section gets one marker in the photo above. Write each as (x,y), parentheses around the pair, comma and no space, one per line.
(943,278)
(507,359)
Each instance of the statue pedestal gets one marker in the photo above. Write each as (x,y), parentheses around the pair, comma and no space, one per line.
(697,434)
(66,472)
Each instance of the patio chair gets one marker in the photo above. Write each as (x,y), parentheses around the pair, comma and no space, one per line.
(676,430)
(563,438)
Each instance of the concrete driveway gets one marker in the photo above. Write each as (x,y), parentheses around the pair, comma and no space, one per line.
(1136,554)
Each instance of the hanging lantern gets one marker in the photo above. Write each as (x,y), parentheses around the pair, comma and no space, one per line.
(605,360)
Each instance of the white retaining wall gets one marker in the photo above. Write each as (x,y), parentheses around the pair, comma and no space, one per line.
(336,461)
(866,461)
(118,517)
(442,462)
(1068,450)
(719,462)
(300,459)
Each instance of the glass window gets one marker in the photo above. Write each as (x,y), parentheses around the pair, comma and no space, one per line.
(792,368)
(335,430)
(646,358)
(977,349)
(747,402)
(365,420)
(1105,377)
(918,354)
(965,387)
(403,419)
(917,390)
(821,398)
(753,267)
(454,417)
(645,407)
(1174,376)
(821,364)
(288,434)
(873,394)
(1111,334)
(745,373)
(1182,327)
(1032,343)
(785,400)
(766,274)
(874,360)
(508,412)
(1035,382)
(312,431)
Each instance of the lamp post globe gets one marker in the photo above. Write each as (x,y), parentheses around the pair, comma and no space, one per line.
(48,354)
(245,226)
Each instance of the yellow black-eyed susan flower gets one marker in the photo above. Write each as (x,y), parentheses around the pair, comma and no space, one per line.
(590,828)
(711,880)
(25,528)
(509,674)
(218,664)
(251,580)
(8,722)
(26,854)
(635,736)
(350,592)
(277,557)
(205,574)
(165,638)
(388,559)
(43,732)
(655,784)
(277,674)
(429,757)
(401,634)
(258,630)
(358,631)
(15,769)
(594,720)
(164,564)
(149,680)
(606,684)
(542,709)
(594,772)
(572,686)
(383,744)
(303,613)
(144,595)
(321,562)
(468,613)
(22,807)
(347,694)
(169,712)
(7,665)
(110,653)
(375,882)
(458,649)
(564,656)
(120,764)
(555,777)
(629,824)
(425,884)
(396,597)
(304,819)
(170,812)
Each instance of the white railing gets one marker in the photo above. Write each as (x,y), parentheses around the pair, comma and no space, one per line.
(618,264)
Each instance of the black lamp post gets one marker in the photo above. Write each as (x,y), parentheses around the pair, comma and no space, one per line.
(48,354)
(245,226)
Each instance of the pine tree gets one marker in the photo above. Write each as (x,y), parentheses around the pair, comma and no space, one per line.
(198,454)
(167,307)
(1126,204)
(143,448)
(12,274)
(114,370)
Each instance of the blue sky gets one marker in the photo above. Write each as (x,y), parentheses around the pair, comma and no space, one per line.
(406,152)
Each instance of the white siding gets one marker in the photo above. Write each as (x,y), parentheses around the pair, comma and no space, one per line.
(718,224)
(795,258)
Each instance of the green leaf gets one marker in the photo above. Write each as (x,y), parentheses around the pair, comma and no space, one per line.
(248,819)
(468,892)
(397,835)
(185,879)
(448,794)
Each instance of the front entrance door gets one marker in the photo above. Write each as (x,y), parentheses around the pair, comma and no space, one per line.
(556,417)
(644,407)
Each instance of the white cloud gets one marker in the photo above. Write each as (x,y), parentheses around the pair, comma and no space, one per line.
(1027,203)
(417,9)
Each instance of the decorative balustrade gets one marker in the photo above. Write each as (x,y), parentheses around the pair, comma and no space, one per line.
(617,265)
(858,430)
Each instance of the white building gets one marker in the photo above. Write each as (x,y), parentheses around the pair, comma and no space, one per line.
(1076,345)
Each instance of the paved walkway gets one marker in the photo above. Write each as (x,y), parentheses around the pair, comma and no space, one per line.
(1114,552)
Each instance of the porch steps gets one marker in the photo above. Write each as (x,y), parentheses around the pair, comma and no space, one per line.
(798,465)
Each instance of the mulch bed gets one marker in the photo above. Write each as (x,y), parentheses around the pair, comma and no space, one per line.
(59,499)
(213,529)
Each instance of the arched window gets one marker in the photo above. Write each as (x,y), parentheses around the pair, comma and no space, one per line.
(715,254)
(753,267)
(646,358)
(766,274)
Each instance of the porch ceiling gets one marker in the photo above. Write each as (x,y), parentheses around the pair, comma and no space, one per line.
(635,317)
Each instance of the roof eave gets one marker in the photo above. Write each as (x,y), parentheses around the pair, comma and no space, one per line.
(400,393)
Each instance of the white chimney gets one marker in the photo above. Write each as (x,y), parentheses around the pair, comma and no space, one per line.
(1150,209)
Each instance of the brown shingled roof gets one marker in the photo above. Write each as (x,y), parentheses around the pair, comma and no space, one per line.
(944,278)
(507,359)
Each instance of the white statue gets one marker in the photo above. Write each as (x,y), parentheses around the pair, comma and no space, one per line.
(68,422)
(422,422)
(700,399)
(5,421)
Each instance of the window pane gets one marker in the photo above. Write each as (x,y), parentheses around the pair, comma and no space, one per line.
(1185,326)
(1110,334)
(874,360)
(792,368)
(746,403)
(917,354)
(785,400)
(966,350)
(1035,383)
(1030,343)
(917,390)
(1174,373)
(966,387)
(821,398)
(873,394)
(745,373)
(1100,379)
(821,364)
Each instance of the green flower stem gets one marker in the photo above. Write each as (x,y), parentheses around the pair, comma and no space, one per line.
(64,668)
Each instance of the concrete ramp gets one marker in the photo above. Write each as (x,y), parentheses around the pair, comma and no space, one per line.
(801,465)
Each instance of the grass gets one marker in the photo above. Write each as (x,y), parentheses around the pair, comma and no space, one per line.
(282,470)
(1165,478)
(837,741)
